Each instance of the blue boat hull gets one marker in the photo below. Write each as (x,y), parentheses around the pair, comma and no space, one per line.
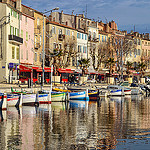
(78,96)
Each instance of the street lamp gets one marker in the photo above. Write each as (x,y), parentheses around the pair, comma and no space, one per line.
(43,58)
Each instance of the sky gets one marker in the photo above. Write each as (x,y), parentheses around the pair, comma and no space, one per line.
(126,13)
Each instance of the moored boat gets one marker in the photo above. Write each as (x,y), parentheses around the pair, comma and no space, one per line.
(43,98)
(29,99)
(115,90)
(58,96)
(13,100)
(93,95)
(78,96)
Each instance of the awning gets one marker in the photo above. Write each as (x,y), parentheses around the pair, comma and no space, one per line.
(65,70)
(115,74)
(25,69)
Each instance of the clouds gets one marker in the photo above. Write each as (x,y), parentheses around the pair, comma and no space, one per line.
(124,12)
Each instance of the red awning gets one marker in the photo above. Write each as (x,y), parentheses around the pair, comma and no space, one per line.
(39,69)
(65,71)
(24,68)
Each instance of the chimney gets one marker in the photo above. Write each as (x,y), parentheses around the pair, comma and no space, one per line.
(61,17)
(18,5)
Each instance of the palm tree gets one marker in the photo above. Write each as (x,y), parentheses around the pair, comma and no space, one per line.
(129,65)
(110,63)
(142,67)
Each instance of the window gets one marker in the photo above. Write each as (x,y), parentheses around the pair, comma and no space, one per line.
(35,57)
(99,37)
(21,53)
(53,29)
(21,33)
(85,37)
(72,33)
(26,54)
(105,38)
(84,49)
(17,51)
(138,51)
(79,48)
(26,19)
(82,36)
(78,35)
(38,21)
(59,46)
(26,36)
(13,52)
(60,31)
(102,39)
(11,30)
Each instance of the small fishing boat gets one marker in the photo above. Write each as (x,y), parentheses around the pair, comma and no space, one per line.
(115,90)
(43,98)
(29,99)
(78,96)
(3,101)
(127,91)
(13,100)
(17,92)
(93,95)
(58,96)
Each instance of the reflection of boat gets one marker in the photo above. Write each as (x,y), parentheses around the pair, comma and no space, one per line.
(58,96)
(117,98)
(13,100)
(57,106)
(78,96)
(78,103)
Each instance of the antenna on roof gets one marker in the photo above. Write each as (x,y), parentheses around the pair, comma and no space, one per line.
(86,12)
(106,20)
(134,28)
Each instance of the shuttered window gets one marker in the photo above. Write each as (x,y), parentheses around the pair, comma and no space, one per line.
(13,52)
(17,51)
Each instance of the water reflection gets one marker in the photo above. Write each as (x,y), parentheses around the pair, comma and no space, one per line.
(112,123)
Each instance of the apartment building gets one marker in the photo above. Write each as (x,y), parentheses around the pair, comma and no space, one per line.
(10,40)
(61,45)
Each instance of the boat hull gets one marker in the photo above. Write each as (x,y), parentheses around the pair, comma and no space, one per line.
(115,93)
(78,96)
(43,99)
(29,99)
(58,96)
(13,100)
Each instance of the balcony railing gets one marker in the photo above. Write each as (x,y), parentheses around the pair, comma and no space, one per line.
(60,37)
(15,39)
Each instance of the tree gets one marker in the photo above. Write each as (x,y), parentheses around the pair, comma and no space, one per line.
(110,63)
(84,64)
(142,67)
(128,65)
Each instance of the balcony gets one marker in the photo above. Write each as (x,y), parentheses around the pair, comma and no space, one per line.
(95,39)
(15,39)
(60,37)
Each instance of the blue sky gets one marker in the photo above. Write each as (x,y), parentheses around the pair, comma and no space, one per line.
(126,13)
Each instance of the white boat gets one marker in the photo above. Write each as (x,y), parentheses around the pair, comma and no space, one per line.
(115,90)
(78,96)
(13,100)
(29,99)
(127,91)
(43,99)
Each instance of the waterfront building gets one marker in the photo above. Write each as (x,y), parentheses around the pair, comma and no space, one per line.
(10,40)
(27,33)
(82,39)
(61,45)
(145,56)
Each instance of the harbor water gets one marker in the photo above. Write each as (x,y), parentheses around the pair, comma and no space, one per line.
(111,123)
